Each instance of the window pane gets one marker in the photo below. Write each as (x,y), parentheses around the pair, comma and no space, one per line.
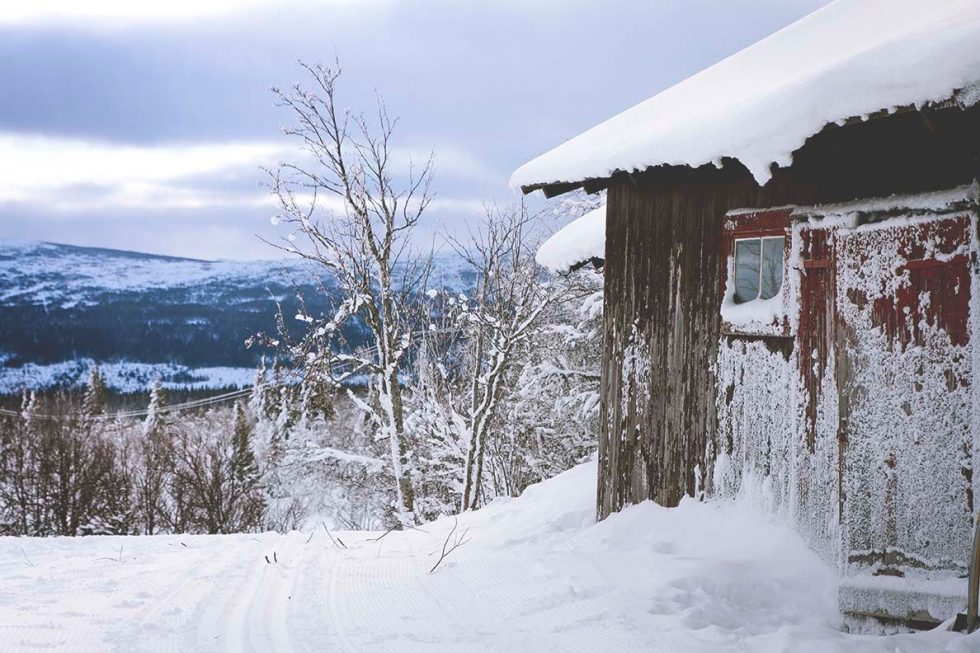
(772,266)
(746,270)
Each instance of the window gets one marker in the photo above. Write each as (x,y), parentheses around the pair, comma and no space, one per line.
(758,268)
(755,301)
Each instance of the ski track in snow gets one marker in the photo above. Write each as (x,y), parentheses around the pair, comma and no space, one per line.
(536,576)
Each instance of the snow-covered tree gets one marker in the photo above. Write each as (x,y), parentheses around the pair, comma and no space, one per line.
(552,407)
(154,466)
(20,472)
(244,471)
(315,401)
(505,391)
(351,211)
(94,401)
(283,424)
(439,426)
(508,302)
(151,423)
(258,403)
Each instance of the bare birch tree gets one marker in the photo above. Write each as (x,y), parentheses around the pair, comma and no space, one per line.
(509,299)
(354,206)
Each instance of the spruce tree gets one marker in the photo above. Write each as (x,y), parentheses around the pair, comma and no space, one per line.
(284,420)
(315,401)
(274,409)
(151,424)
(157,462)
(94,401)
(244,468)
(244,473)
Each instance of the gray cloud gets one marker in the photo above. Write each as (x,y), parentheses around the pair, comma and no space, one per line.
(487,85)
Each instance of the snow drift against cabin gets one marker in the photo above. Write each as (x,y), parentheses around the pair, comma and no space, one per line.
(849,59)
(580,240)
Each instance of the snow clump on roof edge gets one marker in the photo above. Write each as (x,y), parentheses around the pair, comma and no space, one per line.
(580,240)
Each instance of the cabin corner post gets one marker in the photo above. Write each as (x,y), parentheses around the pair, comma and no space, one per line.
(661,333)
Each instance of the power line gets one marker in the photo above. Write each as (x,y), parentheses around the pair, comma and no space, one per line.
(197,403)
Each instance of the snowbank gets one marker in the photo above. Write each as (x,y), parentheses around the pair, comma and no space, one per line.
(537,574)
(580,240)
(849,59)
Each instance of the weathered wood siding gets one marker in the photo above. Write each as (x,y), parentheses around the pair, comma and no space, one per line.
(662,280)
(662,325)
(658,395)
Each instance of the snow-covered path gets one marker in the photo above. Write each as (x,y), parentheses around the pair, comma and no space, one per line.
(537,575)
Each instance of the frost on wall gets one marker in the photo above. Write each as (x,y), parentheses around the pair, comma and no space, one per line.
(862,427)
(904,318)
(762,452)
(755,444)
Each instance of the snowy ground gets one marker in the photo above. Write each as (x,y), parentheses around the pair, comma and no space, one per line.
(121,376)
(537,575)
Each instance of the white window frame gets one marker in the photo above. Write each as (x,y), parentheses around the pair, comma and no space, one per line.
(762,251)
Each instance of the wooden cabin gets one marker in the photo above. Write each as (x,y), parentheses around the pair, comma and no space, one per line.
(791,293)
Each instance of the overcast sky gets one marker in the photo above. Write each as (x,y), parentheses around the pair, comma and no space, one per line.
(143,125)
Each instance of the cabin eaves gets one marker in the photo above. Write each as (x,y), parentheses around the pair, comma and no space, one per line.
(850,60)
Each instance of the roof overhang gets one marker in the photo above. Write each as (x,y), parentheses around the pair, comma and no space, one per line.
(850,61)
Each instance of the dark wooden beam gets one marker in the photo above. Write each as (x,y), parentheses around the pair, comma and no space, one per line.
(551,190)
(593,186)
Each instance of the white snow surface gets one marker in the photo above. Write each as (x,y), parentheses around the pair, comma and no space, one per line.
(848,59)
(537,574)
(122,376)
(580,240)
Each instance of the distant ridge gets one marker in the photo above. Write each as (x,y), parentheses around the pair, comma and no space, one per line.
(61,305)
(20,247)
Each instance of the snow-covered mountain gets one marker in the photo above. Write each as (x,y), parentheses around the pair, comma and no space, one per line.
(62,307)
(66,276)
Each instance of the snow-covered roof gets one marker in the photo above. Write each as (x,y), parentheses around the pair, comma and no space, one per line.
(849,59)
(580,240)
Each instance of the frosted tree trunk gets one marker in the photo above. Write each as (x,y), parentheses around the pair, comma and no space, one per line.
(510,300)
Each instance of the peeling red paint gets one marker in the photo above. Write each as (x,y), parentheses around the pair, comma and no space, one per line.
(816,321)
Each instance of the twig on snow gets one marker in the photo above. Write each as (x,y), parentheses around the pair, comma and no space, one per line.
(453,542)
(380,537)
(336,541)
